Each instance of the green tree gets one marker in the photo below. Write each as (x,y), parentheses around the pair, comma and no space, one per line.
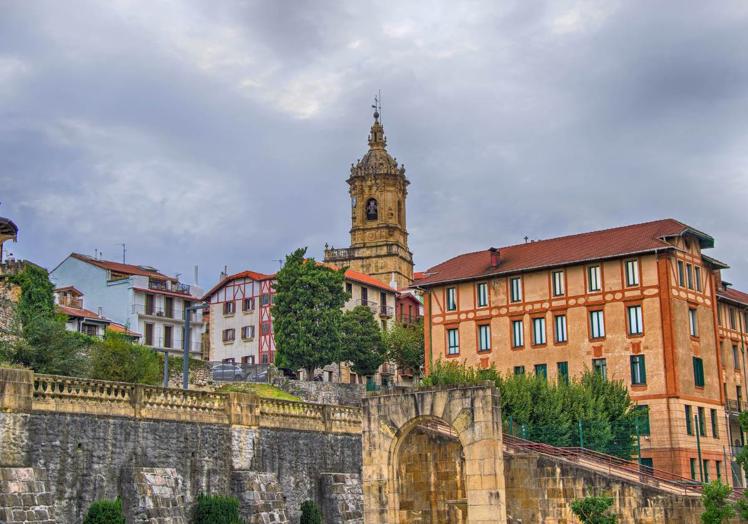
(36,300)
(105,512)
(307,313)
(553,412)
(362,341)
(310,513)
(37,338)
(216,509)
(117,358)
(405,346)
(717,508)
(594,510)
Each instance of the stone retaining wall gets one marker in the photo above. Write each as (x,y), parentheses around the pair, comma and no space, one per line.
(25,497)
(323,392)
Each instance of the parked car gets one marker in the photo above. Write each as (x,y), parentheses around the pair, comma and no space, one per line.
(227,372)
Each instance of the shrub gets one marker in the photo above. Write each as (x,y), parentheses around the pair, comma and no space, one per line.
(717,508)
(310,513)
(117,358)
(214,509)
(594,510)
(105,512)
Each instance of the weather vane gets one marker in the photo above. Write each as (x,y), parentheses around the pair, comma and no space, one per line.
(377,106)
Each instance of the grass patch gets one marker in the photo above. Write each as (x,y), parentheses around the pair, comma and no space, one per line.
(261,390)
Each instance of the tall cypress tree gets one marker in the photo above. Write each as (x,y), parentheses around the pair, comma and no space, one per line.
(307,313)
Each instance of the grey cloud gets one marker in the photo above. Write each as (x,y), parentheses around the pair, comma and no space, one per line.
(229,127)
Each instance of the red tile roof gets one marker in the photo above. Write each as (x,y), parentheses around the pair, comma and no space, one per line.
(733,295)
(572,249)
(80,313)
(127,269)
(119,328)
(230,278)
(363,278)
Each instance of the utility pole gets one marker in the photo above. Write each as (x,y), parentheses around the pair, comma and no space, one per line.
(186,343)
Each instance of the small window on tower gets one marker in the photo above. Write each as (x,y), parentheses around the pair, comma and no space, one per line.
(372,209)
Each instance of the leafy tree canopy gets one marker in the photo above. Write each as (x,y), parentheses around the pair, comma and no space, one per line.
(555,413)
(117,358)
(362,341)
(594,510)
(38,338)
(307,312)
(717,507)
(405,346)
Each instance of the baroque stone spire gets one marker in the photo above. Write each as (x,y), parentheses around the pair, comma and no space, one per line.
(377,161)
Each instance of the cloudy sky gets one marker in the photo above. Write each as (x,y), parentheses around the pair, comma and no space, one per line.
(221,133)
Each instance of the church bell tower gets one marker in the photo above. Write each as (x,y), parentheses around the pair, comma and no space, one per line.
(379,236)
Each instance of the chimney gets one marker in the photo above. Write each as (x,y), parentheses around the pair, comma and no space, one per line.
(101,312)
(494,256)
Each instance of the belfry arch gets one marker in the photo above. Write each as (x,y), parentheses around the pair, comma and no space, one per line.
(434,455)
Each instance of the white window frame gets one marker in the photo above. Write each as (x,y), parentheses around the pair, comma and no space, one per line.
(693,322)
(632,272)
(484,337)
(518,334)
(597,324)
(248,332)
(557,281)
(637,377)
(453,343)
(482,294)
(635,319)
(451,299)
(515,289)
(560,327)
(593,279)
(538,331)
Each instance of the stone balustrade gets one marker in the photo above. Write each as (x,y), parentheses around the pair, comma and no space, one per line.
(24,391)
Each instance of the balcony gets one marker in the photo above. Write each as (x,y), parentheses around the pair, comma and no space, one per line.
(172,315)
(373,306)
(173,287)
(173,346)
(409,320)
(336,255)
(74,302)
(734,407)
(386,311)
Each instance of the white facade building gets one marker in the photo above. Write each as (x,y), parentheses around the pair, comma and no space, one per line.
(140,298)
(241,325)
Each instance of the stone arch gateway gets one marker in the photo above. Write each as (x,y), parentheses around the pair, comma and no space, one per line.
(434,455)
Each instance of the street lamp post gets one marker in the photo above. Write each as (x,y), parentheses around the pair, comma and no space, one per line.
(186,343)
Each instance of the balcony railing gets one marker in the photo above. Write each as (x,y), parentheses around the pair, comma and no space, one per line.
(175,346)
(386,311)
(164,285)
(409,320)
(734,406)
(337,254)
(173,315)
(373,306)
(73,302)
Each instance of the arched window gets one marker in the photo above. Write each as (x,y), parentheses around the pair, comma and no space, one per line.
(372,209)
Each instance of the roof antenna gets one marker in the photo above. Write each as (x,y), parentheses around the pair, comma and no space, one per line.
(526,239)
(124,252)
(280,262)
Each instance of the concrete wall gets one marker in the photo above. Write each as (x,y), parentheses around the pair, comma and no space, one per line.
(114,298)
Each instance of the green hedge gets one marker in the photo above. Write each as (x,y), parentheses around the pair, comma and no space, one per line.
(310,513)
(105,512)
(214,509)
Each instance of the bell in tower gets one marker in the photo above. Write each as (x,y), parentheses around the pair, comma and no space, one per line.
(379,236)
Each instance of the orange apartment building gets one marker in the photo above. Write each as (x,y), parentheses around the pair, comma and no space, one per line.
(635,303)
